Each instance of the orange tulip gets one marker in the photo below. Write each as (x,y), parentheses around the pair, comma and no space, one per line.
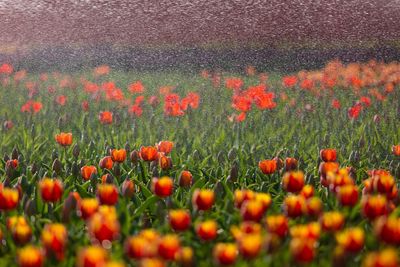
(185,256)
(207,230)
(185,179)
(306,231)
(387,229)
(340,178)
(265,200)
(328,154)
(277,224)
(294,205)
(165,147)
(30,256)
(148,153)
(225,253)
(374,206)
(54,238)
(92,256)
(104,224)
(332,221)
(51,190)
(307,191)
(243,195)
(162,187)
(87,207)
(114,264)
(396,150)
(179,220)
(246,227)
(313,206)
(88,171)
(293,181)
(106,163)
(351,239)
(106,117)
(138,247)
(118,155)
(290,164)
(107,194)
(64,139)
(268,166)
(250,246)
(347,195)
(169,247)
(252,210)
(9,198)
(203,199)
(384,258)
(325,168)
(20,230)
(381,183)
(302,250)
(164,162)
(152,262)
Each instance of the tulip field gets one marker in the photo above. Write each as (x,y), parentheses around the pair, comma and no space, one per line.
(111,168)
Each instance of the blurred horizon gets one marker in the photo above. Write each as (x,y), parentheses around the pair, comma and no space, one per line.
(138,22)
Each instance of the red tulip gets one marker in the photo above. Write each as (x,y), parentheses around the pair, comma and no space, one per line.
(51,190)
(162,187)
(203,199)
(179,220)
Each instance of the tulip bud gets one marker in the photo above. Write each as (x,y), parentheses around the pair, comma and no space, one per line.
(232,154)
(134,156)
(234,173)
(185,179)
(57,166)
(30,207)
(54,155)
(75,169)
(107,179)
(128,188)
(290,164)
(220,157)
(117,170)
(76,151)
(14,153)
(165,162)
(34,168)
(219,189)
(70,204)
(127,147)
